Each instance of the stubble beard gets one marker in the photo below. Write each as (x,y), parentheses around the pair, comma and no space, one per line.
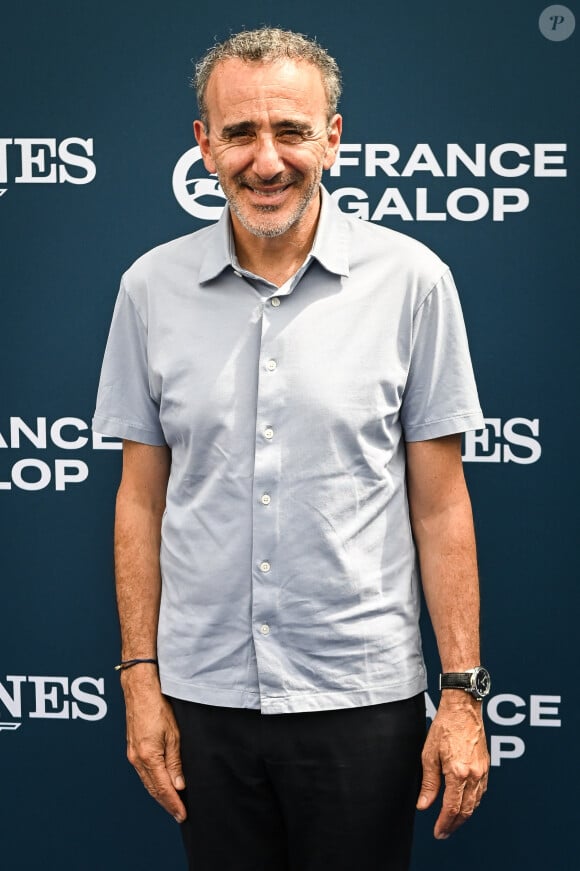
(269,230)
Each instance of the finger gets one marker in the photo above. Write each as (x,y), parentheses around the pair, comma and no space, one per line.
(471,794)
(430,784)
(459,803)
(158,783)
(446,822)
(484,780)
(150,767)
(475,787)
(481,790)
(173,763)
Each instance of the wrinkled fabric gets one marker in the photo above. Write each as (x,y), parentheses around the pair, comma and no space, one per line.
(289,572)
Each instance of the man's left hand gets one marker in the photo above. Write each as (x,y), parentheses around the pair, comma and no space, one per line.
(456,748)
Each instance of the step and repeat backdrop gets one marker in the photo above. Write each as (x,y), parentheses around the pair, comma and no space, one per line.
(461,129)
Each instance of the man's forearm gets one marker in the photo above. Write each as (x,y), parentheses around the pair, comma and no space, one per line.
(442,521)
(139,512)
(137,573)
(447,554)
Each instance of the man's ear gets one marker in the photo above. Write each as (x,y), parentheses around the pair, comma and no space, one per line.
(202,138)
(334,133)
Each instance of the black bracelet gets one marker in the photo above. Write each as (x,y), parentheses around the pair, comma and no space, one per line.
(129,663)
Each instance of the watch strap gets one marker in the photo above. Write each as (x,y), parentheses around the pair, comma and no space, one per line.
(455,680)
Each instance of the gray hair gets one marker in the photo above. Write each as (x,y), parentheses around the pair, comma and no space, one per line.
(268,44)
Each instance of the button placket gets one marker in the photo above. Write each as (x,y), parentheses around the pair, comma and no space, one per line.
(265,531)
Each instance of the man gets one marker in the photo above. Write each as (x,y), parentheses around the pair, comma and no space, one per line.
(291,385)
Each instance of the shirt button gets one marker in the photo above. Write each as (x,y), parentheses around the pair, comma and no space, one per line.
(265,629)
(275,301)
(271,365)
(265,500)
(269,433)
(265,566)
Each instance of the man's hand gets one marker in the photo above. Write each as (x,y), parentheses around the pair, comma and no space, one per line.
(456,748)
(153,743)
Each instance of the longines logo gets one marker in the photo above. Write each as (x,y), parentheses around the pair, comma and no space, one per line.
(201,195)
(42,160)
(30,697)
(515,440)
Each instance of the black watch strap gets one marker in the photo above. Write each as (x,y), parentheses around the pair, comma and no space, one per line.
(455,680)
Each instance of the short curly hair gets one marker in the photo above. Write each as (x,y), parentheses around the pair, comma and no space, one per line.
(268,44)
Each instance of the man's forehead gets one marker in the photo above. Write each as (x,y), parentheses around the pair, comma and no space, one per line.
(239,66)
(234,78)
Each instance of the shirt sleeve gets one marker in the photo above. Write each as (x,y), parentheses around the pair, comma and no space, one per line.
(440,396)
(125,408)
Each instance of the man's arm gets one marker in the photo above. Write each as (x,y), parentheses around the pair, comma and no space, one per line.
(442,524)
(152,734)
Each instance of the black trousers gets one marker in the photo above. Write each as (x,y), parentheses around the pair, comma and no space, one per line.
(321,791)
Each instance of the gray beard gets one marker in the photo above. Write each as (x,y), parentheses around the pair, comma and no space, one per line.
(267,231)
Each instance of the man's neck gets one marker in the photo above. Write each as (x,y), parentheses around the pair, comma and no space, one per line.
(275,258)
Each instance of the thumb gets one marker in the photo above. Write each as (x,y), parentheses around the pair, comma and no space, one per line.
(429,787)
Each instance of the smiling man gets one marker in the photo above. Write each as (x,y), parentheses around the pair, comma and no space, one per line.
(269,139)
(291,385)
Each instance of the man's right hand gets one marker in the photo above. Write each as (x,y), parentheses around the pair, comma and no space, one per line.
(153,740)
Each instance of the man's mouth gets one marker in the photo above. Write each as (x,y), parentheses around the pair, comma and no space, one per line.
(272,191)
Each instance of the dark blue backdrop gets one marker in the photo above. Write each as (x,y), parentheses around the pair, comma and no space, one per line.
(95,112)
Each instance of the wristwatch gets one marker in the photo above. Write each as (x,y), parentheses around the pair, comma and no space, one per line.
(476,681)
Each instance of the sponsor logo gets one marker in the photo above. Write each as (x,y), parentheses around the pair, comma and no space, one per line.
(557,23)
(515,440)
(508,711)
(34,697)
(42,160)
(202,197)
(507,160)
(65,434)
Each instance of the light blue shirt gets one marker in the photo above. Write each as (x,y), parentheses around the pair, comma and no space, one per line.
(289,573)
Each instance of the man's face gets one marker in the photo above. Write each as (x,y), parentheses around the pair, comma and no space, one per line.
(269,140)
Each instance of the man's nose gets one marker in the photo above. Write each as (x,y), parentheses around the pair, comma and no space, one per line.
(267,162)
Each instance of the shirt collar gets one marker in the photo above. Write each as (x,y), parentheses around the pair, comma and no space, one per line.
(331,243)
(330,246)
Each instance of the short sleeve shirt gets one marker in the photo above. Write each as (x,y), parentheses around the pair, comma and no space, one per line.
(289,573)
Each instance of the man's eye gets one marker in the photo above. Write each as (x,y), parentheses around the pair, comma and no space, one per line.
(239,134)
(290,135)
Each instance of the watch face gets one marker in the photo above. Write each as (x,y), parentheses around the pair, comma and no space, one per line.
(482,682)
